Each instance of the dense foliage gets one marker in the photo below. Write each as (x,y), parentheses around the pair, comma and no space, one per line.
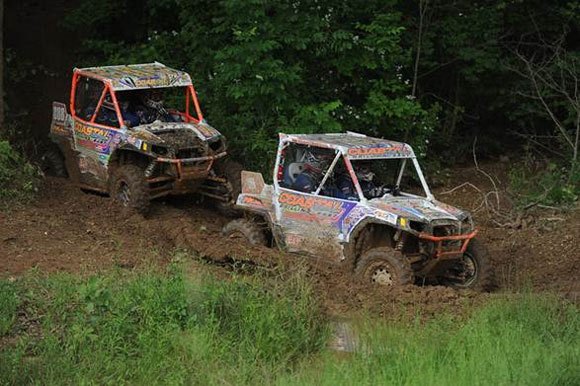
(434,73)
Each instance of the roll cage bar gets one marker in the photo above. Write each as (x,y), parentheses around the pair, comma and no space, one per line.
(347,160)
(107,88)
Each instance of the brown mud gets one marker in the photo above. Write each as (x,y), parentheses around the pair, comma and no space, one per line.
(71,231)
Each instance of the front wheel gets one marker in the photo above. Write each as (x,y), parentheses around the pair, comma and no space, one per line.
(384,266)
(473,270)
(130,188)
(246,230)
(52,163)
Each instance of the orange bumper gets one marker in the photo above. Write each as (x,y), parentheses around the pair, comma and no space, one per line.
(443,251)
(192,168)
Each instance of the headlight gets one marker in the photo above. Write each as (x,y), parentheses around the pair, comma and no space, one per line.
(416,226)
(159,150)
(467,225)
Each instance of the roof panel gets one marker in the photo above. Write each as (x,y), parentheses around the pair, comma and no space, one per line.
(356,146)
(139,76)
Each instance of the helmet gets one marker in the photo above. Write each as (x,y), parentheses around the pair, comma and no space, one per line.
(153,100)
(363,172)
(316,161)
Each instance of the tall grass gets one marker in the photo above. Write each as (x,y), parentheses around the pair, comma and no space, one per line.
(9,302)
(152,328)
(166,328)
(525,341)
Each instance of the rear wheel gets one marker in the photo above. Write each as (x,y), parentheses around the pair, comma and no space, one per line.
(384,266)
(246,230)
(52,163)
(130,188)
(231,171)
(473,271)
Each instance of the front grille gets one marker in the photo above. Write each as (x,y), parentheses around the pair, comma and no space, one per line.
(189,153)
(183,143)
(445,230)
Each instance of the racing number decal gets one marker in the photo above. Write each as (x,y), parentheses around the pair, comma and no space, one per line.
(58,113)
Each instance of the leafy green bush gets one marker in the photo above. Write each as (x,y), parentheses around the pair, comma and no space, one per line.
(18,178)
(550,185)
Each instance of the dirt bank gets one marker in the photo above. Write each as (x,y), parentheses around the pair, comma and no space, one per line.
(68,230)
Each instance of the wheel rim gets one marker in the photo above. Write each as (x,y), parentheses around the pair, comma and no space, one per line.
(381,274)
(124,193)
(470,269)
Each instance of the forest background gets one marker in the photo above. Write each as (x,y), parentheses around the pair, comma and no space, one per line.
(454,78)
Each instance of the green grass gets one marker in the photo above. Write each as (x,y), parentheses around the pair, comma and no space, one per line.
(167,328)
(161,328)
(9,302)
(528,340)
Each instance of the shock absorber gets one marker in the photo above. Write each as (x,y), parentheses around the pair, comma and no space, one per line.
(400,240)
(150,168)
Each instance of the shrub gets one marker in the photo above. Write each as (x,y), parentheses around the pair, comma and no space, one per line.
(18,178)
(548,185)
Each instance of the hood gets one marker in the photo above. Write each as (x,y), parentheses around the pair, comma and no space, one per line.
(418,209)
(163,131)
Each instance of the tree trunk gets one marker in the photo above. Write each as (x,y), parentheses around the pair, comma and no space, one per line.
(1,66)
(423,4)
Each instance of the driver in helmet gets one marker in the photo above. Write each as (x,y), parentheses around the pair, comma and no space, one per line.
(316,163)
(365,177)
(153,107)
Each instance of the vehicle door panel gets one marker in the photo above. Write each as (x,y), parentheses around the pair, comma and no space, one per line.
(311,223)
(94,144)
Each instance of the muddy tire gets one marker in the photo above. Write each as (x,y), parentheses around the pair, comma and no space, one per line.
(384,266)
(52,163)
(232,172)
(130,188)
(474,271)
(246,230)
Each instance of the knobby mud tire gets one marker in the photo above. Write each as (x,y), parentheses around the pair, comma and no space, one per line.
(130,189)
(384,266)
(484,278)
(232,172)
(52,163)
(253,233)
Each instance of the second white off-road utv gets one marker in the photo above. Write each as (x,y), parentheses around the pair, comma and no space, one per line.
(389,228)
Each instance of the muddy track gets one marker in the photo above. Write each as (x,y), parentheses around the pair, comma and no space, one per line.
(67,230)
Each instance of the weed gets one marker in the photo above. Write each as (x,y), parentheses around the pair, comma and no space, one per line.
(551,184)
(160,328)
(529,340)
(9,302)
(18,179)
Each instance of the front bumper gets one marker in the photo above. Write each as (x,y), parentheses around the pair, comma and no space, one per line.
(186,174)
(449,247)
